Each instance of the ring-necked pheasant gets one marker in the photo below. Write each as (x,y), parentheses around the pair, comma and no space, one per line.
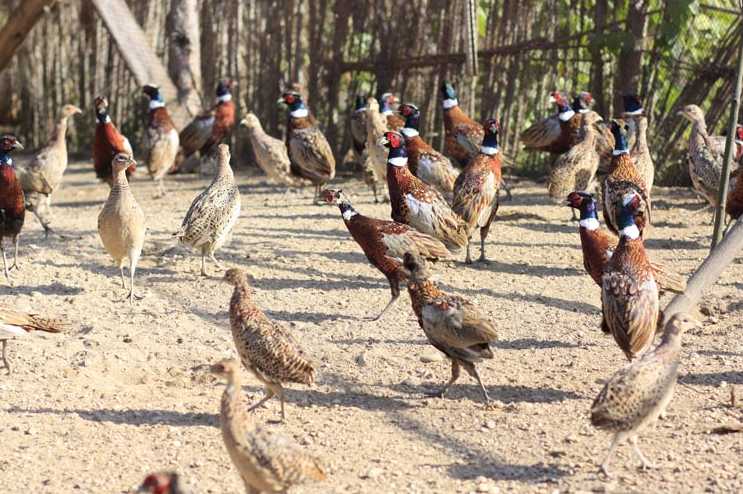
(634,397)
(388,107)
(629,294)
(425,162)
(416,203)
(108,142)
(265,347)
(462,135)
(309,150)
(161,483)
(623,178)
(42,175)
(451,323)
(12,200)
(162,138)
(557,133)
(385,242)
(266,460)
(476,188)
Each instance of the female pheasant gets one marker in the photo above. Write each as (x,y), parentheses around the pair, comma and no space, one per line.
(635,117)
(416,203)
(270,153)
(376,153)
(463,136)
(451,323)
(426,163)
(385,242)
(476,188)
(12,200)
(309,151)
(629,294)
(624,178)
(576,169)
(162,138)
(108,142)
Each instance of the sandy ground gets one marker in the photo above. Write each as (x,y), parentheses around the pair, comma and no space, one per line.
(121,394)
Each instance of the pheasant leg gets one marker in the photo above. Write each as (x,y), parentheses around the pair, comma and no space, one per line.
(5,263)
(121,271)
(132,270)
(216,263)
(15,255)
(455,371)
(203,264)
(468,259)
(605,464)
(6,364)
(646,465)
(472,371)
(395,287)
(483,236)
(268,396)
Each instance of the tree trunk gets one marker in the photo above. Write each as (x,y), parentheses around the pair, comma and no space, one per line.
(184,53)
(597,61)
(630,58)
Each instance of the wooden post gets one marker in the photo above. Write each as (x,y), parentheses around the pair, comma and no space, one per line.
(22,19)
(728,156)
(708,273)
(184,48)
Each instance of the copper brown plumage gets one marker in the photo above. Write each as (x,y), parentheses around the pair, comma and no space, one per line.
(555,134)
(476,188)
(385,242)
(388,108)
(462,135)
(624,178)
(452,324)
(629,293)
(598,245)
(416,203)
(12,201)
(265,347)
(734,204)
(637,394)
(162,483)
(311,155)
(266,460)
(425,162)
(107,143)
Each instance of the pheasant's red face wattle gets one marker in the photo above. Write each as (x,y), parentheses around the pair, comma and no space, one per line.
(394,139)
(289,99)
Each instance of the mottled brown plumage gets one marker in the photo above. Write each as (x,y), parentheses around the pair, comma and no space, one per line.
(385,242)
(624,178)
(629,293)
(576,169)
(14,323)
(637,394)
(452,324)
(266,460)
(416,203)
(265,347)
(476,188)
(462,135)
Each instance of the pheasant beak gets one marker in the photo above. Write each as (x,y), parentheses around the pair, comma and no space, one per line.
(383,141)
(17,145)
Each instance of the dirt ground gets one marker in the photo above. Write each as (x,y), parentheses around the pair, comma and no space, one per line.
(121,394)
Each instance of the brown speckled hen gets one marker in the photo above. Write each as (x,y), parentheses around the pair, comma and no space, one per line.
(624,178)
(629,294)
(416,203)
(451,323)
(12,200)
(108,142)
(476,188)
(462,135)
(309,150)
(576,169)
(265,347)
(425,162)
(385,242)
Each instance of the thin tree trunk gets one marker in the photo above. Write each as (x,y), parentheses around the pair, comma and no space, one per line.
(184,53)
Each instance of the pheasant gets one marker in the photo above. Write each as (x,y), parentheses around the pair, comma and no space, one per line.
(576,169)
(213,213)
(107,143)
(416,203)
(309,151)
(267,461)
(452,324)
(635,117)
(270,153)
(42,175)
(387,104)
(14,323)
(598,245)
(121,224)
(426,163)
(266,348)
(624,178)
(385,242)
(161,483)
(557,133)
(357,125)
(476,188)
(629,294)
(376,153)
(162,138)
(12,201)
(705,156)
(462,135)
(637,394)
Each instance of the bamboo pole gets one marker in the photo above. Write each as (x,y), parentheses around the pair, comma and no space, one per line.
(728,156)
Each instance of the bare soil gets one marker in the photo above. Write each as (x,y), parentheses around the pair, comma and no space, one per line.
(123,394)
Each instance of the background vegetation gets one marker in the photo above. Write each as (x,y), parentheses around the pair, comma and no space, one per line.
(672,52)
